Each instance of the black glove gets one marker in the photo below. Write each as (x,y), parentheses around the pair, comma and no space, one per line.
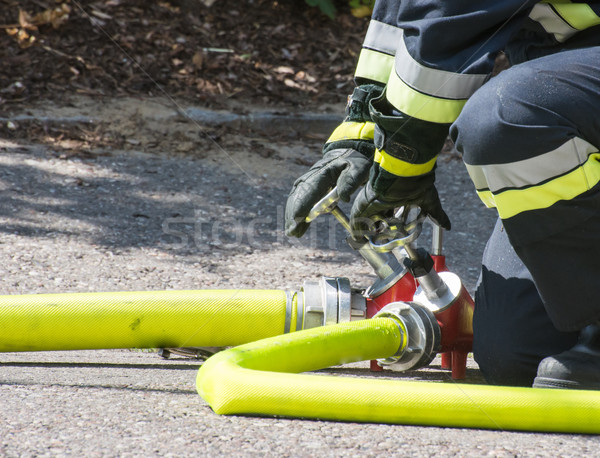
(347,158)
(345,168)
(403,171)
(371,205)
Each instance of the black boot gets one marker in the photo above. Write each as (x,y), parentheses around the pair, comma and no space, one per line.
(577,368)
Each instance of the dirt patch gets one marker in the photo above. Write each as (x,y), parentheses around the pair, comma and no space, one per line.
(114,74)
(87,126)
(252,51)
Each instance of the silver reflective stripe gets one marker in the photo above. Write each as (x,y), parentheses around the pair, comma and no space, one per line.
(438,83)
(382,37)
(535,170)
(552,22)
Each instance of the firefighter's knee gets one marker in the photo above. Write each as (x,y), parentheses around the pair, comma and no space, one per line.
(478,131)
(503,110)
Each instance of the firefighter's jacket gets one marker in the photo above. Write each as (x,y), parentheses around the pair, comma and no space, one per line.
(432,55)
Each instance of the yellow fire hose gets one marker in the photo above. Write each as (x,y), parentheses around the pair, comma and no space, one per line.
(261,378)
(158,319)
(255,378)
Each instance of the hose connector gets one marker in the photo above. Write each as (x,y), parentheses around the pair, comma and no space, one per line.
(423,335)
(331,300)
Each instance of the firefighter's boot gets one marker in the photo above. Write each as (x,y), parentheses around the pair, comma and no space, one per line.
(577,368)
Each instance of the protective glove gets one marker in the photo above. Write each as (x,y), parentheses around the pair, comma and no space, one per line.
(347,158)
(370,205)
(345,168)
(403,172)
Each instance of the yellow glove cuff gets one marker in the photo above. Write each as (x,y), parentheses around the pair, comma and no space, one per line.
(402,168)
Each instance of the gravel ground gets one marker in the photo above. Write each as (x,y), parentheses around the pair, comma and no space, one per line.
(208,216)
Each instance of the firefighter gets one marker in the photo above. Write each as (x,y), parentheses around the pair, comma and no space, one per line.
(529,138)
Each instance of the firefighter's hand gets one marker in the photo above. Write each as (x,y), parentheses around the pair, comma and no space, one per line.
(347,158)
(345,168)
(372,205)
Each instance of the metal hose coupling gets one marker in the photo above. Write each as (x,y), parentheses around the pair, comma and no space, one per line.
(423,335)
(330,300)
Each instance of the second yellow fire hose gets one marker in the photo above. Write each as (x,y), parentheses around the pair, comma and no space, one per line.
(261,378)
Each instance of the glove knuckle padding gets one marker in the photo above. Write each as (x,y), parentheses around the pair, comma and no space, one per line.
(384,193)
(354,175)
(363,208)
(346,168)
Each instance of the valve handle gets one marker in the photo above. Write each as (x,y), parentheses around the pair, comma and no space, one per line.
(328,204)
(383,267)
(325,205)
(397,233)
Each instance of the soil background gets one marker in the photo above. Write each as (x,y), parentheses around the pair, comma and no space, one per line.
(151,146)
(259,51)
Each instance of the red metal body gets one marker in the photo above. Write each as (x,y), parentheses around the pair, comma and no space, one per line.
(456,321)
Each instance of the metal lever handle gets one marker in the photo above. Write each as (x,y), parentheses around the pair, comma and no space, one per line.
(328,204)
(402,234)
(398,237)
(325,205)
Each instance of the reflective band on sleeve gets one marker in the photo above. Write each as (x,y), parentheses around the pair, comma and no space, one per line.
(512,202)
(374,66)
(382,37)
(438,83)
(419,105)
(578,15)
(487,198)
(353,131)
(538,169)
(402,168)
(552,22)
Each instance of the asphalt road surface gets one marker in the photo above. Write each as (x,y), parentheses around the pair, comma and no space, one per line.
(101,221)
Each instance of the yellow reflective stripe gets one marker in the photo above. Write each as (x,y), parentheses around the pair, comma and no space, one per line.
(564,19)
(421,106)
(373,65)
(580,16)
(512,202)
(538,169)
(487,198)
(400,167)
(353,131)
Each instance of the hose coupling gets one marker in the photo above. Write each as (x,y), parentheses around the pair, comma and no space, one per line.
(331,300)
(423,335)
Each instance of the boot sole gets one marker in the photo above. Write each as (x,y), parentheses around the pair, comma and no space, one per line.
(546,382)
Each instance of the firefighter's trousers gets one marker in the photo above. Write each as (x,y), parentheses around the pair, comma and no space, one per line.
(530,139)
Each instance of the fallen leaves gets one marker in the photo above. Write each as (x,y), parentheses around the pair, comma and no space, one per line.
(55,17)
(264,51)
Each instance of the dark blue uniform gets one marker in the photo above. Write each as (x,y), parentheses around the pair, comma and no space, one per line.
(530,139)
